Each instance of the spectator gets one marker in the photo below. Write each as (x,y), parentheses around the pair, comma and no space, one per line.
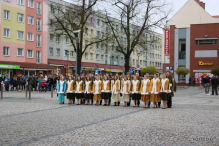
(207,82)
(1,80)
(39,81)
(203,81)
(193,80)
(214,82)
(6,82)
(15,82)
(24,81)
(190,81)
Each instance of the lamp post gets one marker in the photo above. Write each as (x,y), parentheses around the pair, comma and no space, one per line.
(67,54)
(77,46)
(138,54)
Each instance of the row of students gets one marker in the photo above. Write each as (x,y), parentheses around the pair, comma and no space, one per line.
(148,90)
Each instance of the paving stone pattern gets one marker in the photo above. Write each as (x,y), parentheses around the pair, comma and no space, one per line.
(193,120)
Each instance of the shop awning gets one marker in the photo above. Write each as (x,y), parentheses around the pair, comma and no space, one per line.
(29,65)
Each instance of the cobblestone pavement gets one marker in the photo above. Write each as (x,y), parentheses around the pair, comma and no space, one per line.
(192,121)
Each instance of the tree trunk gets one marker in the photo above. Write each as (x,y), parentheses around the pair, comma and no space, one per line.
(127,58)
(79,62)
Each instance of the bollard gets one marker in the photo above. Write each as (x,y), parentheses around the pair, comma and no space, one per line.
(51,91)
(2,91)
(26,90)
(29,92)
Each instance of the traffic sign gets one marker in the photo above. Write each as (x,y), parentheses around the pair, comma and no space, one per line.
(138,66)
(96,71)
(131,71)
(171,67)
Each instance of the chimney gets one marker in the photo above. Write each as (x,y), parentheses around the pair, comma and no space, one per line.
(201,4)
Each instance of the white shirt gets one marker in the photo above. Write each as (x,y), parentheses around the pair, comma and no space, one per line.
(61,86)
(125,86)
(145,86)
(154,85)
(97,87)
(105,85)
(78,85)
(163,84)
(135,85)
(69,85)
(87,86)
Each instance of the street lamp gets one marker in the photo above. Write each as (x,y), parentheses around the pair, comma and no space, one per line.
(67,54)
(138,54)
(77,46)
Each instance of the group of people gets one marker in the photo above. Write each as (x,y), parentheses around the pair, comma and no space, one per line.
(86,89)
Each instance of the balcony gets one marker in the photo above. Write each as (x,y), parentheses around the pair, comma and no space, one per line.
(38,11)
(38,44)
(38,27)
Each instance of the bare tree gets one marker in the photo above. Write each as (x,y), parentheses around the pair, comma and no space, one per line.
(136,17)
(67,18)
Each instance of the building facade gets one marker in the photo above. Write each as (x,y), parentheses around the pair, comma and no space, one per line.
(22,42)
(103,57)
(193,41)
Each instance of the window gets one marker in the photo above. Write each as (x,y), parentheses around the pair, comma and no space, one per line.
(58,39)
(136,61)
(140,62)
(86,56)
(98,34)
(50,23)
(102,23)
(97,45)
(182,49)
(20,52)
(91,32)
(57,52)
(97,56)
(51,36)
(133,62)
(38,57)
(38,40)
(30,20)
(20,35)
(102,57)
(6,14)
(6,51)
(20,17)
(30,36)
(6,33)
(71,54)
(91,56)
(98,21)
(50,51)
(67,40)
(86,30)
(7,0)
(38,9)
(20,2)
(210,41)
(38,24)
(29,53)
(31,3)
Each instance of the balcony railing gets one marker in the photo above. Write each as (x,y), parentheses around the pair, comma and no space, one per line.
(38,27)
(38,43)
(38,11)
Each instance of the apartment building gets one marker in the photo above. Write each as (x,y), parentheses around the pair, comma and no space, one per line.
(22,42)
(102,56)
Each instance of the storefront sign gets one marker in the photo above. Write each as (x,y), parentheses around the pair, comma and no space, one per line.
(7,66)
(108,70)
(202,63)
(120,70)
(166,42)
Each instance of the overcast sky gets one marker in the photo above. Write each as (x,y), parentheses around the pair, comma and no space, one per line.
(211,6)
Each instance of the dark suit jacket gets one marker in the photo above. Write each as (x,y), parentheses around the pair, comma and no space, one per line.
(214,81)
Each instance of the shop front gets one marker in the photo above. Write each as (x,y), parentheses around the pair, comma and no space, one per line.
(7,69)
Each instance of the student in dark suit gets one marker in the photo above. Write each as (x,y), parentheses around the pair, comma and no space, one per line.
(214,82)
